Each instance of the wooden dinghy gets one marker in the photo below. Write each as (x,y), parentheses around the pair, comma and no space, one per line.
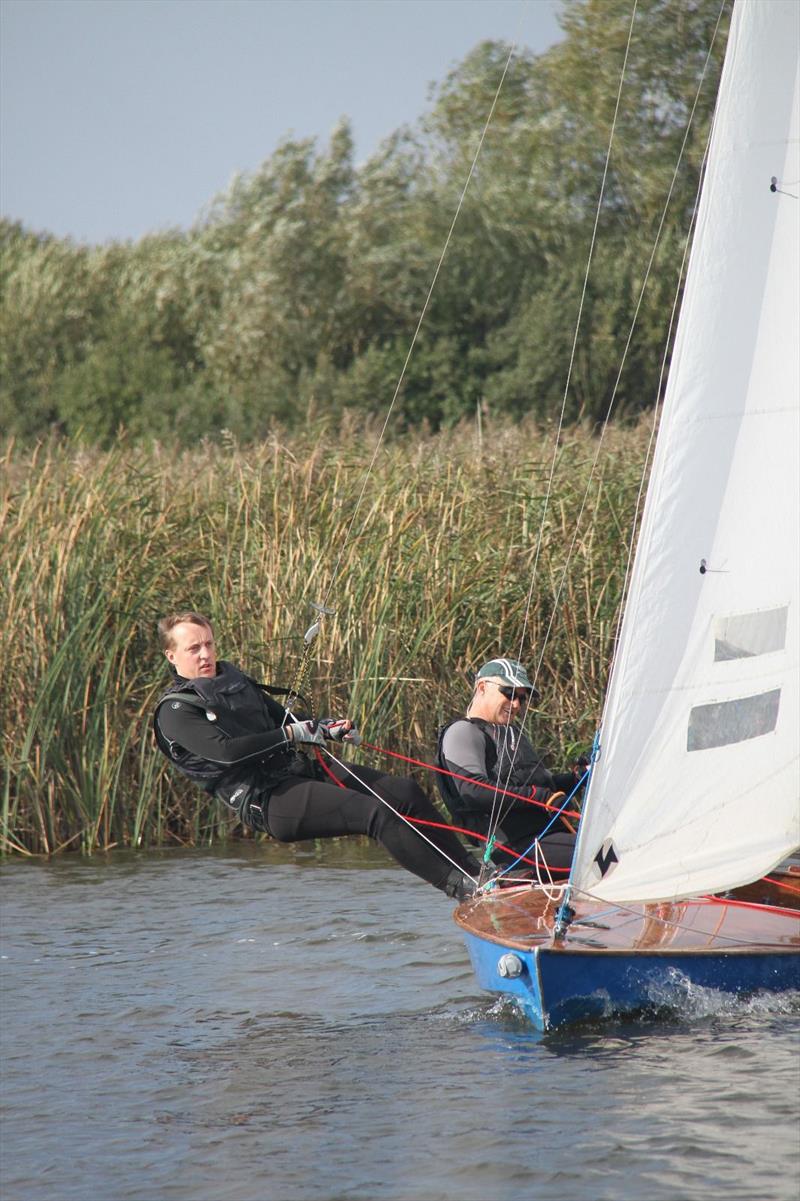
(615,959)
(694,792)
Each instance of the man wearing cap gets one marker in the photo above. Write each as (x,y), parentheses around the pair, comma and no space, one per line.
(490,757)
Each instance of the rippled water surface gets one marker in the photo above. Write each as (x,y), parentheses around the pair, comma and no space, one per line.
(278,1024)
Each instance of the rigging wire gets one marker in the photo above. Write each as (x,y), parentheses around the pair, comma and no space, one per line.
(549,488)
(673,314)
(423,314)
(497,807)
(657,407)
(606,420)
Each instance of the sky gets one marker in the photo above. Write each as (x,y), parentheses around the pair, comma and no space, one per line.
(124,117)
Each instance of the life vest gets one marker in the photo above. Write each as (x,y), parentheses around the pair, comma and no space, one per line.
(512,764)
(238,705)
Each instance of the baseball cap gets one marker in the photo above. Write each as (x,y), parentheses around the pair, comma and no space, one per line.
(507,671)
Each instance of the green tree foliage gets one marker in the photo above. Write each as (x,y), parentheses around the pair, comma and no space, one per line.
(299,292)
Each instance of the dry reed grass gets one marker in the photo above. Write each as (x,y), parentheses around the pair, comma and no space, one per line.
(433,579)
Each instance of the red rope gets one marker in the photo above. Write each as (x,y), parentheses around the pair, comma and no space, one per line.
(752,905)
(469,779)
(780,884)
(508,850)
(418,821)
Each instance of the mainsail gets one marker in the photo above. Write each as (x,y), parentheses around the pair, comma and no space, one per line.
(697,785)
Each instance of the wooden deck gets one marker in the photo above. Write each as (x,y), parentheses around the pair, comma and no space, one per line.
(521,918)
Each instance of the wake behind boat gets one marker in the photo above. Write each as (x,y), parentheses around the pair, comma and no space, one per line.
(695,785)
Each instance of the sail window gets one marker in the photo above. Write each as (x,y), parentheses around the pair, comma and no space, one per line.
(743,635)
(732,721)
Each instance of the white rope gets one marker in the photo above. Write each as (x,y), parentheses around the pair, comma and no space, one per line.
(363,784)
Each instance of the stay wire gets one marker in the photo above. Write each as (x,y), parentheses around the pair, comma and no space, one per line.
(612,401)
(629,339)
(423,314)
(658,405)
(497,813)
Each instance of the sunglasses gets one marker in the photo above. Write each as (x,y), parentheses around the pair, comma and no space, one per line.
(511,694)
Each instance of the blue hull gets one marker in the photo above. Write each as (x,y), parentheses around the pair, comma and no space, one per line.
(556,987)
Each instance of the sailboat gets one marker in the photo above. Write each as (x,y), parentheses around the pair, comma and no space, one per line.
(695,786)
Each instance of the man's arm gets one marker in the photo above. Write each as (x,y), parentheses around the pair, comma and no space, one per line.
(188,726)
(464,752)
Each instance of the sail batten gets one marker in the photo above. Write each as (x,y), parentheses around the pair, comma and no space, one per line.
(697,787)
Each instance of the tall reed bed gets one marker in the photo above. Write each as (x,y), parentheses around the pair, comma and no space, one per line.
(449,558)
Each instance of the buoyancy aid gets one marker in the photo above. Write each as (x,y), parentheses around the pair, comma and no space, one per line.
(512,765)
(238,705)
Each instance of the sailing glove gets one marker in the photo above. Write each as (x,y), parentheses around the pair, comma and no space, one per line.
(306,731)
(581,770)
(335,729)
(540,794)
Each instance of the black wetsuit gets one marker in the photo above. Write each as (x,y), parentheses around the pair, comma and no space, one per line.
(228,735)
(502,757)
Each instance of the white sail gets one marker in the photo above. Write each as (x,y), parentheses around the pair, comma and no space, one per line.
(697,787)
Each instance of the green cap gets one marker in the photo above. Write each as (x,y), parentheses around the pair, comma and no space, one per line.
(507,671)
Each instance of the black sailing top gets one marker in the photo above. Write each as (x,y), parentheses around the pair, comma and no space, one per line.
(227,734)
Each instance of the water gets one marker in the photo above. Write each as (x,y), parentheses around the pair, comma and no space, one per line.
(287,1024)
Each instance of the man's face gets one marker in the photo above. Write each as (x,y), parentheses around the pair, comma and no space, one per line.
(490,704)
(193,653)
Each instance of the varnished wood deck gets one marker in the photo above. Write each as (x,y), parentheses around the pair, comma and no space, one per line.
(522,918)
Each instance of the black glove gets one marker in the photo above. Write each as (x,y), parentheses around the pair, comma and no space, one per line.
(565,781)
(582,766)
(541,794)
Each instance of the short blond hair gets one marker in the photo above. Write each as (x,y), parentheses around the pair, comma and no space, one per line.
(167,624)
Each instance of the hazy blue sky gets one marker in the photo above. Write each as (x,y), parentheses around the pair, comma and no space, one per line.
(119,117)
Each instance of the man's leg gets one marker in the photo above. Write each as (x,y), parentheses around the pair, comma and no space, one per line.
(300,809)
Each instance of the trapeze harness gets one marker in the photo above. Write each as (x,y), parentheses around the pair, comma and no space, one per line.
(237,707)
(512,765)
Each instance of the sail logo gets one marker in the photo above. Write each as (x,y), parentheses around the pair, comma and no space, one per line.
(606,858)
